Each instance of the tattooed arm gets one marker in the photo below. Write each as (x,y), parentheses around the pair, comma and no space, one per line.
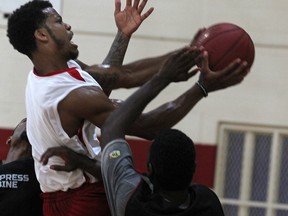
(130,75)
(127,22)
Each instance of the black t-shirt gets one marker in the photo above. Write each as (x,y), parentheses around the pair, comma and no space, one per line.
(203,202)
(19,189)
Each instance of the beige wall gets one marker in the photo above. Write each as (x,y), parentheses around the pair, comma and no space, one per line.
(260,99)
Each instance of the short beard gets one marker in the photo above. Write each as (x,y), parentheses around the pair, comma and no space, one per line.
(60,44)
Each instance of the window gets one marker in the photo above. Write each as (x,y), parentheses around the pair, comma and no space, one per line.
(252,170)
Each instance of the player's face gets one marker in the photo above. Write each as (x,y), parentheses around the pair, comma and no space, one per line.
(60,34)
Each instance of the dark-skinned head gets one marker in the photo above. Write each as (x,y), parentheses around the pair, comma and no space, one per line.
(22,24)
(19,146)
(172,160)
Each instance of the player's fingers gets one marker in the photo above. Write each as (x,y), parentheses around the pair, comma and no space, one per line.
(199,32)
(180,53)
(184,58)
(128,2)
(242,70)
(54,151)
(245,70)
(117,6)
(147,14)
(188,58)
(45,157)
(193,72)
(238,75)
(59,168)
(135,4)
(204,62)
(196,53)
(142,6)
(198,56)
(232,68)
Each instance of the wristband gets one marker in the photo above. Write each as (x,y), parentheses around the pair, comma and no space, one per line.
(205,93)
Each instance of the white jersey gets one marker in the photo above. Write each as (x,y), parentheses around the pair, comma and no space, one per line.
(44,130)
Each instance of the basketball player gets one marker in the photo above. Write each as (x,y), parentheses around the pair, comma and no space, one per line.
(53,112)
(19,188)
(62,100)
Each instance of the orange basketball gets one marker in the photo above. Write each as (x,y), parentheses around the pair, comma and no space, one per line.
(226,42)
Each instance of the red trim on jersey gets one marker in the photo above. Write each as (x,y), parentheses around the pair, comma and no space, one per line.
(80,135)
(72,71)
(75,73)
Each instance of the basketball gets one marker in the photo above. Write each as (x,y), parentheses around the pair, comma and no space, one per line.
(226,42)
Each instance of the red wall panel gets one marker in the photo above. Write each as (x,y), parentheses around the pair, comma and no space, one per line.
(4,134)
(205,164)
(205,160)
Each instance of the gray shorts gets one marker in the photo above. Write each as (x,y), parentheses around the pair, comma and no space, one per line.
(119,176)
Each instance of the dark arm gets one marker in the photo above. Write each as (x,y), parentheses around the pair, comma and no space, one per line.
(166,115)
(73,161)
(130,75)
(169,114)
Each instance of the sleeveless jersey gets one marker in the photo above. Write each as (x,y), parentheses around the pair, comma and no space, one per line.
(44,130)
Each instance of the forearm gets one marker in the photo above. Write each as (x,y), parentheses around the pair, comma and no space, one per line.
(137,73)
(166,115)
(115,57)
(90,166)
(73,161)
(130,75)
(121,119)
(117,51)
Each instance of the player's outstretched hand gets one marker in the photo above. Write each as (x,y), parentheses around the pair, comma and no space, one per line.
(233,74)
(178,66)
(198,33)
(70,158)
(129,19)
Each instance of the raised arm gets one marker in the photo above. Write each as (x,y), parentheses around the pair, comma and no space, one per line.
(127,21)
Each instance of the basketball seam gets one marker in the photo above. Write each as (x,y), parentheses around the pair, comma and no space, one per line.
(220,60)
(220,33)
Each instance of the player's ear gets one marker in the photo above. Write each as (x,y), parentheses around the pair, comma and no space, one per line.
(41,34)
